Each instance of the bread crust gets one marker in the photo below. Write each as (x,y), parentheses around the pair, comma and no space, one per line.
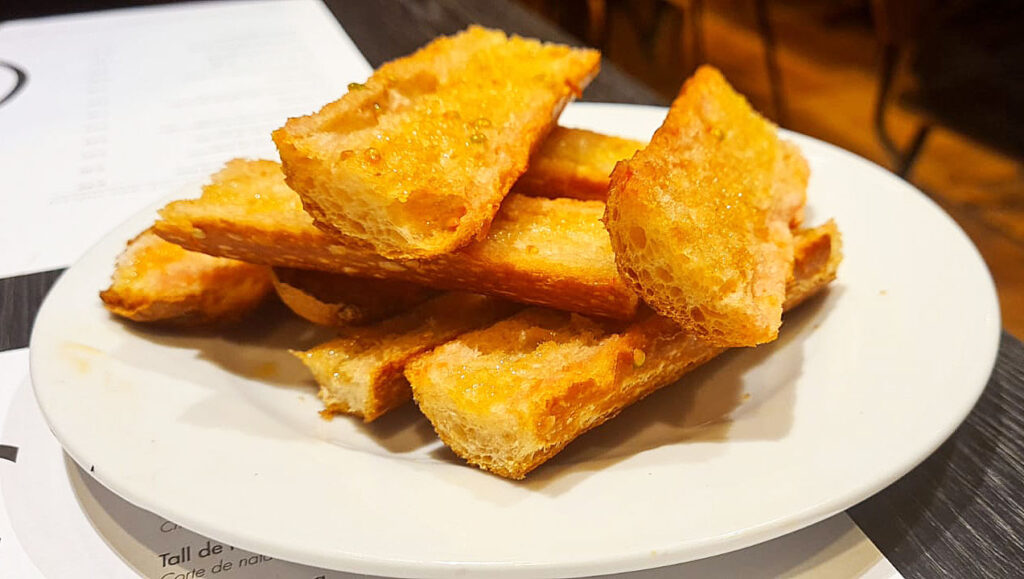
(338,300)
(414,162)
(575,163)
(509,397)
(791,176)
(360,371)
(552,252)
(156,281)
(699,220)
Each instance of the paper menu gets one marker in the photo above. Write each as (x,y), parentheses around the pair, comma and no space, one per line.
(34,491)
(122,108)
(57,521)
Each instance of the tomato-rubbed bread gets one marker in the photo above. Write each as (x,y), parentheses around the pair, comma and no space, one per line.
(699,219)
(575,163)
(157,281)
(509,397)
(336,299)
(415,162)
(551,252)
(360,372)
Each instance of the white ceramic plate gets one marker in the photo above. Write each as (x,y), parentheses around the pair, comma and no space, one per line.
(219,432)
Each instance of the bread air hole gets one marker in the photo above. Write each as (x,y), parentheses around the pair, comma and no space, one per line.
(357,227)
(730,287)
(663,274)
(638,237)
(446,212)
(354,120)
(396,95)
(407,89)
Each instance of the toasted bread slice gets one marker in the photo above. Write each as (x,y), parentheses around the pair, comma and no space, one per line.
(360,372)
(157,281)
(699,219)
(415,162)
(509,397)
(817,253)
(552,252)
(335,299)
(575,163)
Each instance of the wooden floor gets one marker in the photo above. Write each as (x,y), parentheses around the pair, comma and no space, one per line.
(828,69)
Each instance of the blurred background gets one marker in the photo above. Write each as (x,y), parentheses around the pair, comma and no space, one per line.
(931,89)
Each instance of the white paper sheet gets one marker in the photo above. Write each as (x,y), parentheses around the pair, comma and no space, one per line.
(123,107)
(56,521)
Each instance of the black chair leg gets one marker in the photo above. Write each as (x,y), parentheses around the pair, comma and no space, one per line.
(902,160)
(771,61)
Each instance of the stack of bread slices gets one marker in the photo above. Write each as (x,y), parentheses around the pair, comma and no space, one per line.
(522,282)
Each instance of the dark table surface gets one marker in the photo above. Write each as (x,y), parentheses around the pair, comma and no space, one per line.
(958,514)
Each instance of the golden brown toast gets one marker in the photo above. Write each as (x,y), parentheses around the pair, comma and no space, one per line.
(335,299)
(552,252)
(157,281)
(575,163)
(415,162)
(360,372)
(699,219)
(509,397)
